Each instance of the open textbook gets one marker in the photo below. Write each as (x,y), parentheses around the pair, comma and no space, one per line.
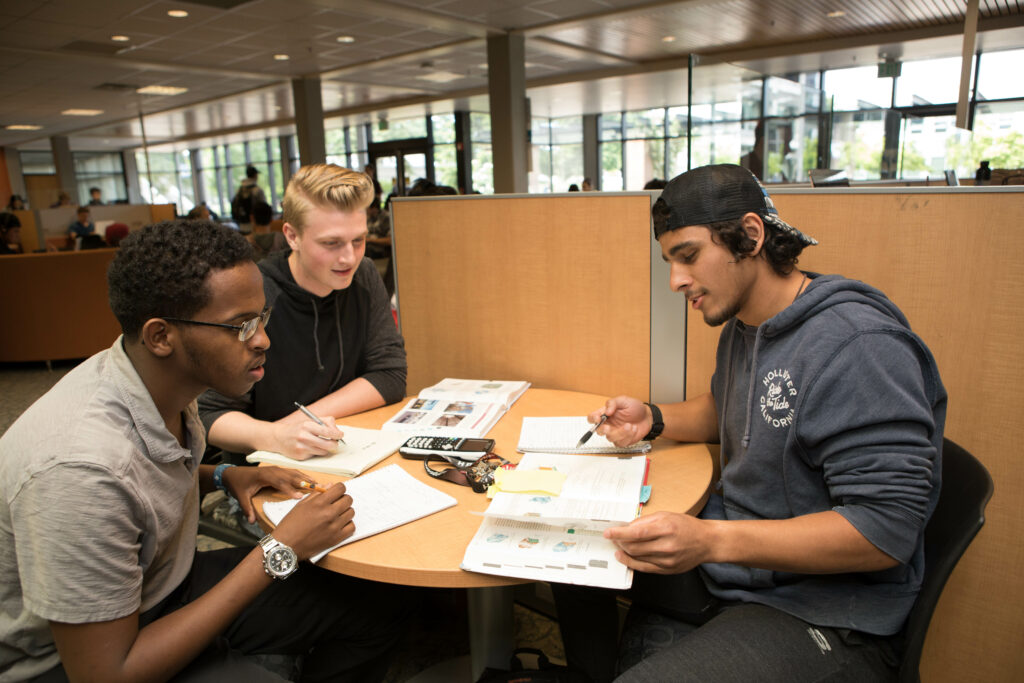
(382,500)
(457,407)
(561,434)
(363,448)
(559,538)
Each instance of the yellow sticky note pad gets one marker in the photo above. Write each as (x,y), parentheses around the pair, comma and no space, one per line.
(529,481)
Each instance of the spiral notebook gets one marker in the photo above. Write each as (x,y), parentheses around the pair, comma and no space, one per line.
(561,434)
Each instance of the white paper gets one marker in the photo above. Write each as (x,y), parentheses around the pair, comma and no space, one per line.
(382,500)
(563,554)
(598,491)
(561,434)
(363,448)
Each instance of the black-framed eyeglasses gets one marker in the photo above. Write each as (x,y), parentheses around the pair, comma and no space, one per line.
(245,331)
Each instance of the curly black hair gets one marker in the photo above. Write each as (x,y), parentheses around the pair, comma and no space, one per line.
(780,248)
(161,270)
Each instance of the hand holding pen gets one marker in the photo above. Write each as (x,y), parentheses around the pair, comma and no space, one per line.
(316,419)
(590,432)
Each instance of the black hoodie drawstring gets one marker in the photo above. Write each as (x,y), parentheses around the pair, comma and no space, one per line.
(316,337)
(341,347)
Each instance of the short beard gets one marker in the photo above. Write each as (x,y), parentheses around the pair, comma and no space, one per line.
(723,316)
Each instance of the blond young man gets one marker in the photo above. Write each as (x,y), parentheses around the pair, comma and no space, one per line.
(335,346)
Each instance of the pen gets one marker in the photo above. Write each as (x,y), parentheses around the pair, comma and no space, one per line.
(316,419)
(312,486)
(585,437)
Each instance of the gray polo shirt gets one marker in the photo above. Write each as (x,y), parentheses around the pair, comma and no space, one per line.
(99,507)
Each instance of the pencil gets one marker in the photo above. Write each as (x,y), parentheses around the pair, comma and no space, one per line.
(312,486)
(316,419)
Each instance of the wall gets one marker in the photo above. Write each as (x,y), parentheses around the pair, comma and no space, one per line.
(951,259)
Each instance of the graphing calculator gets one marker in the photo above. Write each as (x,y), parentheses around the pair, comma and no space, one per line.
(465,449)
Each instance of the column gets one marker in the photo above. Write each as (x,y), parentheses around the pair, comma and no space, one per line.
(591,159)
(309,120)
(506,84)
(463,153)
(65,166)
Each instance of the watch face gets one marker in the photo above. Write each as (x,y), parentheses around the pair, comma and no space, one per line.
(281,561)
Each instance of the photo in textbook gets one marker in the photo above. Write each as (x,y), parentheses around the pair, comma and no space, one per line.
(457,407)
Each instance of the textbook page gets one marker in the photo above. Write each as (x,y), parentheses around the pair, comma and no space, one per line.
(543,552)
(598,492)
(382,500)
(475,390)
(561,434)
(363,448)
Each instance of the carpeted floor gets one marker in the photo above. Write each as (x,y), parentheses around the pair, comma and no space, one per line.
(439,632)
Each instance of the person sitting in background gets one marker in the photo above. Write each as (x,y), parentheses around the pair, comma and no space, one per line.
(574,188)
(95,196)
(81,226)
(16,203)
(264,240)
(114,233)
(63,199)
(10,234)
(587,187)
(199,213)
(655,184)
(336,348)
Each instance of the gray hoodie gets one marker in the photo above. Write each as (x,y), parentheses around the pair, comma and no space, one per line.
(833,404)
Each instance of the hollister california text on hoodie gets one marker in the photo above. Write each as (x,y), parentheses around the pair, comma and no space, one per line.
(833,404)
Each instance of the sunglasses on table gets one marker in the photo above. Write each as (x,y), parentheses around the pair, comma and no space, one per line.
(245,331)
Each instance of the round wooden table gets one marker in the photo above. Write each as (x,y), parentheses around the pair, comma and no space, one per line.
(427,552)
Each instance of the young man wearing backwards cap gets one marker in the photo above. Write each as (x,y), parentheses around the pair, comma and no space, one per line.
(829,410)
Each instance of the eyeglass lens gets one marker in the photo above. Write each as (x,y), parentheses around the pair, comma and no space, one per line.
(248,328)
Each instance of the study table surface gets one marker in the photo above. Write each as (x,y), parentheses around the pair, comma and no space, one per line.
(427,552)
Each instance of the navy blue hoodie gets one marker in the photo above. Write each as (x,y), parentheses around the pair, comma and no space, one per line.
(833,404)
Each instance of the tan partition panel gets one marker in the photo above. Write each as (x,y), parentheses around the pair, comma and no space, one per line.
(953,263)
(553,290)
(162,212)
(60,310)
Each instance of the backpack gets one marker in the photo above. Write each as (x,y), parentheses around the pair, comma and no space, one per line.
(241,204)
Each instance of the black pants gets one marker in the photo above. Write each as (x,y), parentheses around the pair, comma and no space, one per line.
(677,631)
(342,627)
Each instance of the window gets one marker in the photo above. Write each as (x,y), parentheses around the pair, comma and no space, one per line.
(166,178)
(999,75)
(858,88)
(483,158)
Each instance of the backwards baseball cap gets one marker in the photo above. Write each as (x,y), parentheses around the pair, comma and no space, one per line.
(715,193)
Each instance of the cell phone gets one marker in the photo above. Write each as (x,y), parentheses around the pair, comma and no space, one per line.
(462,448)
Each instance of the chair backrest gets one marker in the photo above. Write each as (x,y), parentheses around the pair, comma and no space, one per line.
(959,515)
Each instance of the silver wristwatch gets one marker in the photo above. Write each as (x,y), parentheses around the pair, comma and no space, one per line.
(279,561)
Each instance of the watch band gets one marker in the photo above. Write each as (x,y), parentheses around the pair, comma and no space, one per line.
(658,423)
(218,476)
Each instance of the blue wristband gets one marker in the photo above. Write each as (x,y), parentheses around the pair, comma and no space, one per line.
(218,476)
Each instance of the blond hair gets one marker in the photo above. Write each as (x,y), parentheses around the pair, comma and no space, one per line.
(327,186)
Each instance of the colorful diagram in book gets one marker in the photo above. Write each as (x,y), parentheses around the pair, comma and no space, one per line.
(560,538)
(457,407)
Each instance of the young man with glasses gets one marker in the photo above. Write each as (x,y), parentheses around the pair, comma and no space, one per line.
(336,348)
(100,482)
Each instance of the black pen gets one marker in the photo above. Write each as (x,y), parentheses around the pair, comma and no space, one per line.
(316,419)
(586,437)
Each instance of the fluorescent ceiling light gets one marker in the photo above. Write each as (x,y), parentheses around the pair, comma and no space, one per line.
(22,126)
(161,90)
(440,77)
(82,112)
(177,13)
(282,58)
(668,39)
(836,14)
(345,39)
(120,39)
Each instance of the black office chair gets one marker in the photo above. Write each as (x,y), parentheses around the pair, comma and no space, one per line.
(959,515)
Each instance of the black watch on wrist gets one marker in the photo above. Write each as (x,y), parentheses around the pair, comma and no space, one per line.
(658,425)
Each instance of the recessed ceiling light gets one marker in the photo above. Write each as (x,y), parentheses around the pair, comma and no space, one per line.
(120,39)
(668,39)
(346,39)
(82,112)
(22,126)
(161,90)
(177,13)
(836,14)
(282,58)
